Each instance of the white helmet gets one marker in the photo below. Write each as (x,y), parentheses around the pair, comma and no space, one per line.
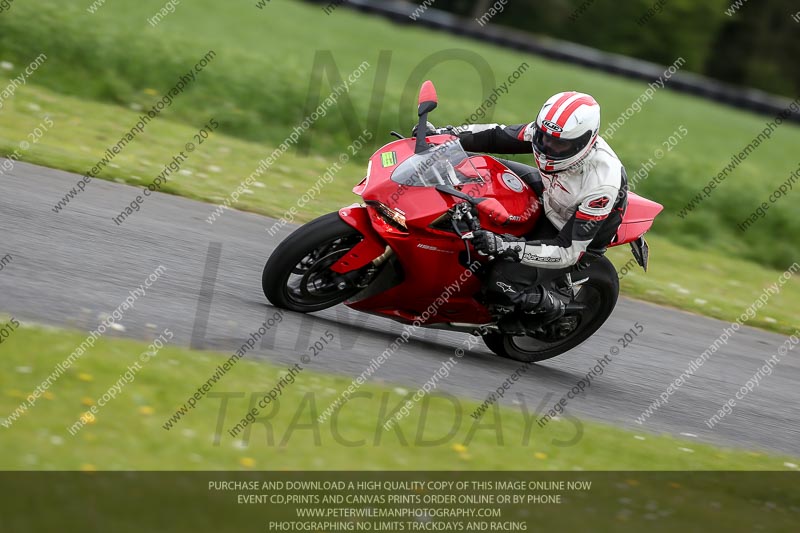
(565,131)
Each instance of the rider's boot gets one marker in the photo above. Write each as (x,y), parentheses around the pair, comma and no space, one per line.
(543,304)
(539,303)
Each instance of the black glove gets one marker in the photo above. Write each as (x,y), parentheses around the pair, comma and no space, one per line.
(490,243)
(430,129)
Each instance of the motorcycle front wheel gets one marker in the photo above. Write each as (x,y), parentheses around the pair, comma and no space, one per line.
(297,275)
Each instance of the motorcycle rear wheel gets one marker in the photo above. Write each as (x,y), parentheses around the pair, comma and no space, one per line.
(598,295)
(297,275)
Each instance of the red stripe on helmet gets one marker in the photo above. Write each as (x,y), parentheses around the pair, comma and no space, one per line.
(564,97)
(584,100)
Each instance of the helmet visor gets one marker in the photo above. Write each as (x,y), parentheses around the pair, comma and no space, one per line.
(556,148)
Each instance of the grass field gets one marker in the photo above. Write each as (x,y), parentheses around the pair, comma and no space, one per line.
(127,433)
(40,440)
(257,87)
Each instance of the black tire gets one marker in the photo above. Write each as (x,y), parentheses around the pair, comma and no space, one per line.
(600,293)
(326,231)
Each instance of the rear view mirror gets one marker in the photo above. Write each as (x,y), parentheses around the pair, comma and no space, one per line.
(427,98)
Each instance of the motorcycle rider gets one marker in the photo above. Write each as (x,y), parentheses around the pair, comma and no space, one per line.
(583,190)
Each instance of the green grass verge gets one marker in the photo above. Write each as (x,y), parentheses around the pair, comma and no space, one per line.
(257,88)
(83,130)
(706,282)
(709,283)
(39,440)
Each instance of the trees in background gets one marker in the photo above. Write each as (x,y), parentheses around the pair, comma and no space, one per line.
(752,43)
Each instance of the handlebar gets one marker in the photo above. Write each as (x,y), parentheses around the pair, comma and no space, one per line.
(488,206)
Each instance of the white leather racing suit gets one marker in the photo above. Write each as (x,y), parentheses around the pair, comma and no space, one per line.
(585,203)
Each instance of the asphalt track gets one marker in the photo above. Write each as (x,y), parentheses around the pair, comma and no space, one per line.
(69,268)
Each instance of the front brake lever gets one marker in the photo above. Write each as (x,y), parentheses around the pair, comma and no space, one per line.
(464,211)
(464,237)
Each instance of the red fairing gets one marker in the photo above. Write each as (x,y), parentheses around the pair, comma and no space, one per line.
(493,209)
(422,205)
(637,220)
(519,200)
(431,258)
(368,249)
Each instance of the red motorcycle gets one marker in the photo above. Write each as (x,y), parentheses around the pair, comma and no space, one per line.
(406,252)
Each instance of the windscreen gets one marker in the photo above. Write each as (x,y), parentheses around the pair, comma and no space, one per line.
(444,164)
